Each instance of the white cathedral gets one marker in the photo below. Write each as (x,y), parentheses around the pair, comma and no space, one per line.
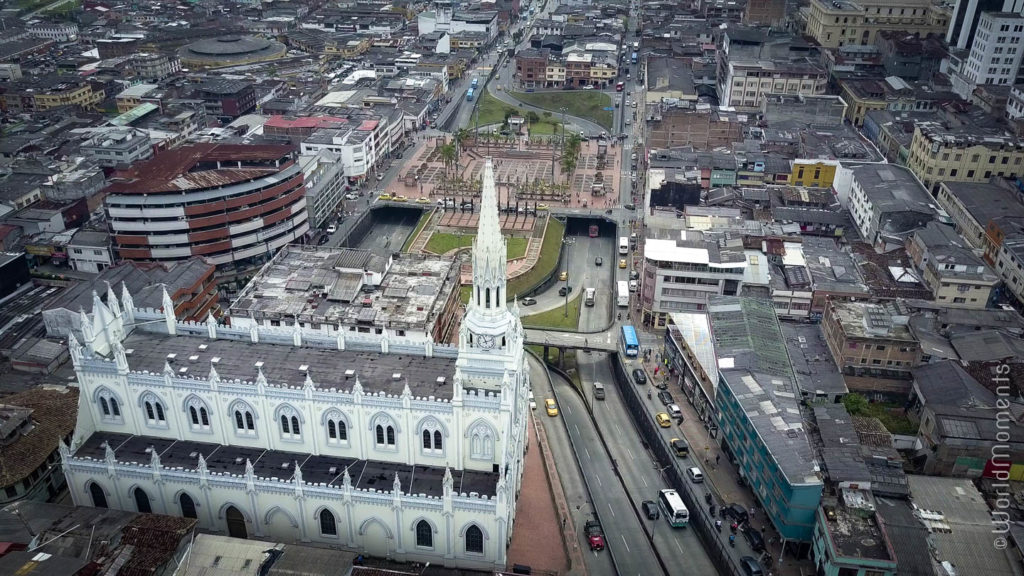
(386,447)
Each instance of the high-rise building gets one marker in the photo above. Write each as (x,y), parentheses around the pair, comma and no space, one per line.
(967,15)
(371,442)
(995,54)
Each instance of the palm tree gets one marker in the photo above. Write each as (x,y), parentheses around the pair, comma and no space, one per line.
(449,155)
(570,155)
(461,137)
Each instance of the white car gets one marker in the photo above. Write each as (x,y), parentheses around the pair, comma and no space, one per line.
(332,229)
(696,476)
(673,409)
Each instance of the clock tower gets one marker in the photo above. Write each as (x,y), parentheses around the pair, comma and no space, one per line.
(491,335)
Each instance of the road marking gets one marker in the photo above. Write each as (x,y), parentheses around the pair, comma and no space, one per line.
(610,508)
(680,548)
(568,409)
(587,450)
(618,430)
(577,429)
(630,452)
(599,483)
(626,544)
(644,480)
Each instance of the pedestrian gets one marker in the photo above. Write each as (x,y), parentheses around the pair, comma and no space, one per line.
(717,458)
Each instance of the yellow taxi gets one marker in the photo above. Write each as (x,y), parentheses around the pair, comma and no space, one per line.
(542,206)
(622,263)
(423,200)
(552,408)
(384,197)
(563,276)
(400,199)
(663,420)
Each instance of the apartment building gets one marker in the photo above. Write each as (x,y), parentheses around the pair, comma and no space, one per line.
(118,147)
(57,31)
(835,23)
(764,12)
(679,275)
(324,173)
(531,66)
(939,154)
(227,98)
(753,65)
(869,339)
(38,94)
(887,203)
(233,204)
(976,209)
(966,16)
(955,274)
(995,55)
(361,145)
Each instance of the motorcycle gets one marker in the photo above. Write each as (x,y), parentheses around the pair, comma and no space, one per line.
(718,525)
(620,316)
(732,540)
(734,527)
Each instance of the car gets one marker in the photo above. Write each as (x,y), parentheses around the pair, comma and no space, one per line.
(598,261)
(737,512)
(680,447)
(674,410)
(632,177)
(384,196)
(650,508)
(663,420)
(628,122)
(754,538)
(633,285)
(564,290)
(551,407)
(323,240)
(632,156)
(595,536)
(629,92)
(332,229)
(665,397)
(634,275)
(563,276)
(528,301)
(423,200)
(639,376)
(751,567)
(588,87)
(622,263)
(599,393)
(696,476)
(583,134)
(400,198)
(542,206)
(380,177)
(351,196)
(634,104)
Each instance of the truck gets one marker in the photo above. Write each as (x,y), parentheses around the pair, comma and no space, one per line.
(595,535)
(633,58)
(622,293)
(589,296)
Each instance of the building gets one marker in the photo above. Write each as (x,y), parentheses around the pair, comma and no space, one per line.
(89,251)
(531,67)
(394,448)
(868,339)
(679,275)
(835,23)
(967,15)
(848,537)
(764,12)
(751,66)
(954,273)
(963,154)
(189,285)
(132,96)
(910,57)
(339,291)
(362,145)
(56,31)
(118,147)
(33,424)
(226,98)
(230,51)
(324,174)
(1015,103)
(38,94)
(995,55)
(233,204)
(758,415)
(888,203)
(962,427)
(974,207)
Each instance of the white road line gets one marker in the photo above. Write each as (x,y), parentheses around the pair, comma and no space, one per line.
(577,429)
(678,546)
(630,452)
(567,409)
(644,480)
(599,483)
(624,542)
(618,430)
(610,508)
(585,449)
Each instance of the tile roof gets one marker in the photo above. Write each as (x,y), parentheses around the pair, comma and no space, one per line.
(155,539)
(54,413)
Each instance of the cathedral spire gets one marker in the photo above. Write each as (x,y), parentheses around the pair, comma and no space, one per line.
(489,251)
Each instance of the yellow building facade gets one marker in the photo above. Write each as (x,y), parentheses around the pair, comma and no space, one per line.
(938,154)
(839,23)
(812,174)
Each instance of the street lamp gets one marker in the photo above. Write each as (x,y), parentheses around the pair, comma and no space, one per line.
(568,281)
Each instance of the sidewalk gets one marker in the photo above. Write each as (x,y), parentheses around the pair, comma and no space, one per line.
(721,475)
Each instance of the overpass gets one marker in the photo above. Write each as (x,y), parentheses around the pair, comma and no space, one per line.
(606,341)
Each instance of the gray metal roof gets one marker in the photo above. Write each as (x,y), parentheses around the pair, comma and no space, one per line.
(908,536)
(893,188)
(816,371)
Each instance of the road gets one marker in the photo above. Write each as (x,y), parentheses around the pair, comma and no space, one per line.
(580,255)
(623,532)
(48,7)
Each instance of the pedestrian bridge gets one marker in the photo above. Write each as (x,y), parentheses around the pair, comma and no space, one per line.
(601,341)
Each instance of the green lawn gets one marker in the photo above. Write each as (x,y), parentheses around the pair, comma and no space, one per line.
(588,104)
(465,293)
(545,265)
(557,318)
(890,415)
(493,111)
(442,243)
(416,232)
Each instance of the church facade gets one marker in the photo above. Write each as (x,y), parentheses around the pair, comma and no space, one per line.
(387,446)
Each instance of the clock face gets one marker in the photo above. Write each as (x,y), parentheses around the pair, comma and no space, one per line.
(486,341)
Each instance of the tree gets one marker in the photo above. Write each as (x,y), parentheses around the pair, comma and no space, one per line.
(461,137)
(855,404)
(570,155)
(532,117)
(449,156)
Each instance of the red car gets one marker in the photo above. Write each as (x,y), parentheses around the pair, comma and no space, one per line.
(595,536)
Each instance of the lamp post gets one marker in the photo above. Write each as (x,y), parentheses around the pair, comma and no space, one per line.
(568,242)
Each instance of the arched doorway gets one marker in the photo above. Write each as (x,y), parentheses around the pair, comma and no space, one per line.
(376,539)
(99,499)
(142,501)
(188,506)
(236,523)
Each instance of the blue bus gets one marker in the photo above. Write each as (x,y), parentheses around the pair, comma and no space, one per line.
(633,58)
(630,345)
(475,82)
(469,95)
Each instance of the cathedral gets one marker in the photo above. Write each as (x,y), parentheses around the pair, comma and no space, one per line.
(388,447)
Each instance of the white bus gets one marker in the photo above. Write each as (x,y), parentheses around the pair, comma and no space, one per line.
(589,296)
(623,245)
(622,294)
(673,508)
